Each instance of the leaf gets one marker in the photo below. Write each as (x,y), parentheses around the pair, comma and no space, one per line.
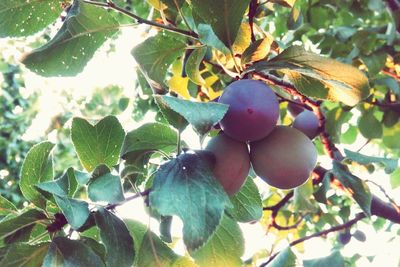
(247,203)
(302,198)
(202,116)
(333,260)
(257,51)
(374,62)
(285,258)
(286,3)
(6,206)
(106,188)
(208,37)
(27,219)
(149,137)
(25,255)
(224,248)
(357,188)
(150,251)
(295,19)
(32,16)
(173,118)
(37,167)
(82,177)
(223,16)
(369,126)
(98,144)
(64,252)
(155,55)
(334,122)
(395,179)
(165,228)
(85,29)
(243,39)
(193,64)
(75,211)
(63,186)
(186,187)
(343,82)
(116,238)
(390,164)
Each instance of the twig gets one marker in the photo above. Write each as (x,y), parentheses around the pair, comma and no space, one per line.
(287,227)
(140,194)
(339,227)
(252,12)
(391,74)
(112,5)
(281,203)
(397,207)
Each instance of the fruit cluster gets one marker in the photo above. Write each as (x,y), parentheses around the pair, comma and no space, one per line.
(282,156)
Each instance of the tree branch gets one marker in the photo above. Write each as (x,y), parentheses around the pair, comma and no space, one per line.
(252,12)
(112,5)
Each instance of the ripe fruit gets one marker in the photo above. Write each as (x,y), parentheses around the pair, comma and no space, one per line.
(344,238)
(360,236)
(285,158)
(308,123)
(253,110)
(232,162)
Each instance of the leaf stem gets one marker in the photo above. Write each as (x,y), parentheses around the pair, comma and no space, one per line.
(112,5)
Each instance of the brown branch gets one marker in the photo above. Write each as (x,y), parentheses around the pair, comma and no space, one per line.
(287,227)
(336,228)
(391,74)
(112,5)
(252,12)
(140,194)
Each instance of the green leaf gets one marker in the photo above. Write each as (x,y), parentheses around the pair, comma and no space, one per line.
(224,248)
(116,238)
(37,167)
(155,55)
(303,202)
(149,137)
(64,186)
(64,252)
(295,19)
(32,16)
(285,258)
(223,16)
(98,144)
(208,37)
(257,51)
(342,82)
(247,203)
(395,179)
(334,122)
(357,188)
(374,62)
(25,255)
(75,211)
(97,248)
(350,136)
(6,206)
(186,187)
(193,64)
(333,260)
(369,126)
(28,219)
(165,228)
(84,30)
(390,164)
(149,249)
(202,116)
(173,118)
(286,3)
(106,188)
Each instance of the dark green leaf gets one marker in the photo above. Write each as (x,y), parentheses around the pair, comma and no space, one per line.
(9,227)
(247,204)
(202,116)
(75,211)
(223,16)
(186,187)
(173,118)
(208,37)
(343,82)
(165,228)
(64,252)
(32,16)
(155,55)
(369,126)
(333,260)
(193,64)
(25,255)
(224,248)
(285,258)
(148,138)
(116,238)
(6,206)
(97,248)
(374,62)
(82,177)
(357,188)
(63,186)
(85,29)
(98,144)
(106,188)
(37,167)
(390,164)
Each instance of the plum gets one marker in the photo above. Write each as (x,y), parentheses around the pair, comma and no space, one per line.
(285,158)
(308,123)
(295,109)
(232,162)
(253,110)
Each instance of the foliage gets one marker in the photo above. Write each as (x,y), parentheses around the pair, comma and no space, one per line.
(339,59)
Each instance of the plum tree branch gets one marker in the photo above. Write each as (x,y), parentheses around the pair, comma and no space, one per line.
(252,12)
(112,5)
